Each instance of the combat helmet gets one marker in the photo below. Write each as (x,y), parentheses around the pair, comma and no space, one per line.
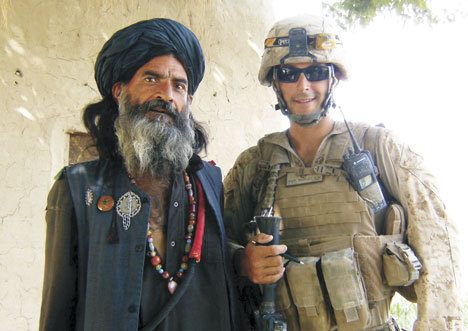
(303,39)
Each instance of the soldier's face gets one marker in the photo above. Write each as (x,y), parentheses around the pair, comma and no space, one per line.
(303,97)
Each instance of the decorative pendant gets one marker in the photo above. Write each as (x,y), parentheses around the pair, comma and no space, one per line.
(153,253)
(105,203)
(89,197)
(172,286)
(128,206)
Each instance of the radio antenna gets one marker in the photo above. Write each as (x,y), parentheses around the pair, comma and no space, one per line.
(357,148)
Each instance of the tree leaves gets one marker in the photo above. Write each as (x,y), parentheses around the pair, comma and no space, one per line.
(352,12)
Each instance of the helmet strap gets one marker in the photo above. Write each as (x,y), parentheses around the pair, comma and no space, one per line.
(281,105)
(307,119)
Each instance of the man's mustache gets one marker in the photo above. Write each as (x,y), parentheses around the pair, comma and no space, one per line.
(159,105)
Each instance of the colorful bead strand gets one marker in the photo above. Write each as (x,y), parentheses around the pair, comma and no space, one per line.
(156,260)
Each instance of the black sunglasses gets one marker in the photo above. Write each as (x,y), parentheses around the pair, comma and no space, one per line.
(314,73)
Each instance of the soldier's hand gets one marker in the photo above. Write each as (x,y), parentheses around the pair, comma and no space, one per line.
(262,264)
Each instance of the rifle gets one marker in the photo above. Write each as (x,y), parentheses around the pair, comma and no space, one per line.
(266,317)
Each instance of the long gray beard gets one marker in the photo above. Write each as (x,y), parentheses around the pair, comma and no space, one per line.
(153,145)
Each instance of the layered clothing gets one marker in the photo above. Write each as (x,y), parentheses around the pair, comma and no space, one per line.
(91,283)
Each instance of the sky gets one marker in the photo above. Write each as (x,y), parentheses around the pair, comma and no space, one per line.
(412,78)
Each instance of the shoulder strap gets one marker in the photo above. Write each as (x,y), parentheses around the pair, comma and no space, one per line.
(269,199)
(267,171)
(370,143)
(370,139)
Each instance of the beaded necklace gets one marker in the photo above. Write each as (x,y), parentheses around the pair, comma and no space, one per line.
(154,254)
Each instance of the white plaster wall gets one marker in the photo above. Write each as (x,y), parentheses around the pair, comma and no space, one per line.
(47,53)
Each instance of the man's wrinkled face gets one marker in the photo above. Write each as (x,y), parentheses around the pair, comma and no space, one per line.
(162,78)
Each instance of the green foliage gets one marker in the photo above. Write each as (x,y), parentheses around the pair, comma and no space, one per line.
(403,311)
(350,12)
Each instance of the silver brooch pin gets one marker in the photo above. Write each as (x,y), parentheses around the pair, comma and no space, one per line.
(89,197)
(128,206)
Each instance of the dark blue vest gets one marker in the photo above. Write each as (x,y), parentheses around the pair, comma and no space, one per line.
(110,275)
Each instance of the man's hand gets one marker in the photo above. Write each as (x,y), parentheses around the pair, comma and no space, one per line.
(262,264)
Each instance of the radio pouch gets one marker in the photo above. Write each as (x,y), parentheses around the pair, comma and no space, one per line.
(395,222)
(400,264)
(346,289)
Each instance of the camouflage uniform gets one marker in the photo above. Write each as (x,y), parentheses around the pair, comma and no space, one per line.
(430,233)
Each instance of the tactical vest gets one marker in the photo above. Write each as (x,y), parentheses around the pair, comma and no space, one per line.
(329,226)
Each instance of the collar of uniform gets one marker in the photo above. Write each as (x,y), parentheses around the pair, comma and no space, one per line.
(277,138)
(281,139)
(338,127)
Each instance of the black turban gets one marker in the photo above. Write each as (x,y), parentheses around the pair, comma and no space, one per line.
(130,48)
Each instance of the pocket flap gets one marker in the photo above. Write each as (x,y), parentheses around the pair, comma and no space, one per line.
(304,284)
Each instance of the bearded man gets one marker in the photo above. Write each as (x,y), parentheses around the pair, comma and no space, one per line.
(135,239)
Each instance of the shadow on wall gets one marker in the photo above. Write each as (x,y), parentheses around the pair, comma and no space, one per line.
(81,147)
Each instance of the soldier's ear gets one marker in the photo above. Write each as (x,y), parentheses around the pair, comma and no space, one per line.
(116,91)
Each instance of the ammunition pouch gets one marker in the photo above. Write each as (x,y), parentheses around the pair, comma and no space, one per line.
(400,265)
(346,289)
(302,285)
(395,267)
(346,284)
(370,250)
(284,305)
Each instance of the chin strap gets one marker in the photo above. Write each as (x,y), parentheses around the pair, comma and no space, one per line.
(307,119)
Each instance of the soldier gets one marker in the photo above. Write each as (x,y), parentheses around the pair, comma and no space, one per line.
(357,206)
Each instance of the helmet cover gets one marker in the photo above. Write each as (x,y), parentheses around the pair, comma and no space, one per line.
(322,40)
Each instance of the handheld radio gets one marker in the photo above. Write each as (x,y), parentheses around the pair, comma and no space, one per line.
(362,175)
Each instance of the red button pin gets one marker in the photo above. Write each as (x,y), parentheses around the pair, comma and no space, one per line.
(105,203)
